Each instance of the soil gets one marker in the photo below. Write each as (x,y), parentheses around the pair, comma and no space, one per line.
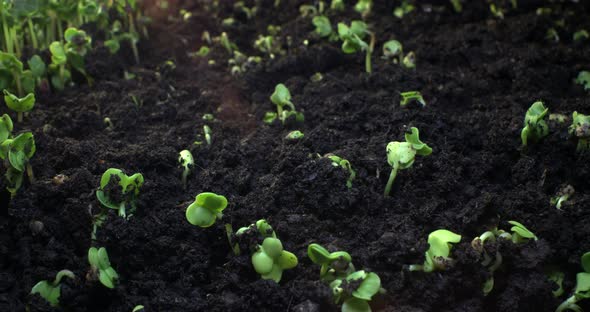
(478,76)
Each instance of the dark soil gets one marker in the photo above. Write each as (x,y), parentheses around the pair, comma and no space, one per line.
(478,75)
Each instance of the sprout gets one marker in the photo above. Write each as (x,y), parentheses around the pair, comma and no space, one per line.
(6,127)
(584,79)
(334,265)
(363,7)
(187,162)
(552,35)
(100,267)
(580,128)
(457,6)
(207,131)
(337,5)
(281,97)
(393,49)
(403,9)
(19,105)
(352,40)
(202,52)
(400,155)
(338,161)
(581,34)
(51,291)
(294,135)
(322,25)
(563,195)
(520,234)
(409,96)
(582,290)
(206,208)
(493,263)
(137,308)
(437,256)
(118,190)
(496,11)
(535,127)
(16,153)
(269,259)
(557,277)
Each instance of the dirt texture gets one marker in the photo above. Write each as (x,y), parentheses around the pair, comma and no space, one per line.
(478,75)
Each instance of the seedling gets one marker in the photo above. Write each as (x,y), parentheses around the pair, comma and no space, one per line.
(535,127)
(580,128)
(584,79)
(295,135)
(352,40)
(408,97)
(337,5)
(16,153)
(206,208)
(19,105)
(400,155)
(581,35)
(438,255)
(557,277)
(582,290)
(119,191)
(338,161)
(6,127)
(100,267)
(403,9)
(207,131)
(322,24)
(334,265)
(51,291)
(137,308)
(457,6)
(269,259)
(393,49)
(552,35)
(281,97)
(520,234)
(187,162)
(489,261)
(364,7)
(562,196)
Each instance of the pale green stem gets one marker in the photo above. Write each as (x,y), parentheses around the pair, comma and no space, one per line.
(390,181)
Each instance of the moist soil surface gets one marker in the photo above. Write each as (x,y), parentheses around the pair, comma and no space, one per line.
(478,75)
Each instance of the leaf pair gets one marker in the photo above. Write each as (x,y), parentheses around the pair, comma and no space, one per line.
(99,263)
(333,264)
(352,37)
(270,260)
(117,190)
(51,291)
(369,284)
(535,127)
(206,208)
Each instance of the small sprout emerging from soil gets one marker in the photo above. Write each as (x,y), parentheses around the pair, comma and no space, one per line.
(322,24)
(400,155)
(207,131)
(202,52)
(269,259)
(584,79)
(437,257)
(393,49)
(295,135)
(317,77)
(100,267)
(535,126)
(356,290)
(6,127)
(581,35)
(457,6)
(208,117)
(352,40)
(582,290)
(520,234)
(51,291)
(403,9)
(338,161)
(562,196)
(496,11)
(187,162)
(363,7)
(334,265)
(281,97)
(552,35)
(119,191)
(580,128)
(337,5)
(206,209)
(137,308)
(408,97)
(16,153)
(19,105)
(109,123)
(557,277)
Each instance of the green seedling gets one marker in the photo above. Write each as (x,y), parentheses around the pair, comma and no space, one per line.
(338,161)
(408,97)
(137,308)
(393,50)
(400,155)
(581,35)
(39,71)
(208,117)
(207,131)
(19,105)
(306,10)
(269,117)
(119,191)
(51,291)
(520,234)
(281,97)
(334,265)
(457,6)
(268,45)
(363,7)
(582,290)
(269,259)
(580,128)
(202,52)
(337,5)
(438,255)
(356,290)
(557,277)
(6,127)
(403,9)
(552,35)
(496,11)
(13,76)
(352,40)
(206,209)
(100,267)
(187,162)
(562,196)
(584,79)
(294,135)
(535,126)
(322,24)
(16,153)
